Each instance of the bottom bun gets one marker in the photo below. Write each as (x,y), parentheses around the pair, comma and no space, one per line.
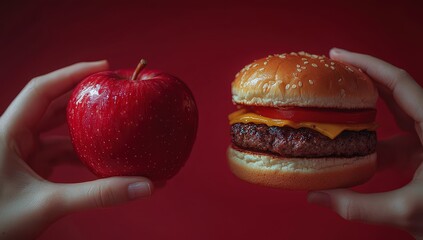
(300,173)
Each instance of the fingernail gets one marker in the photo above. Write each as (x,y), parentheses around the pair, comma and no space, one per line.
(320,198)
(337,50)
(138,190)
(103,61)
(99,61)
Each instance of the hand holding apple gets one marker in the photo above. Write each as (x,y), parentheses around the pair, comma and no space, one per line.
(133,123)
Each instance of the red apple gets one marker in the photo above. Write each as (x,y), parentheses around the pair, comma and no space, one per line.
(144,125)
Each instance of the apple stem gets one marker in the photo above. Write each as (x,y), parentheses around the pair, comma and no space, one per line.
(140,67)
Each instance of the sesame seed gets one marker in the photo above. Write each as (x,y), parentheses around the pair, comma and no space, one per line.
(306,62)
(303,67)
(311,82)
(261,69)
(322,60)
(314,65)
(287,86)
(294,54)
(300,84)
(265,63)
(326,65)
(237,75)
(299,70)
(332,67)
(321,57)
(298,65)
(332,63)
(314,56)
(302,53)
(294,86)
(360,70)
(282,56)
(349,69)
(340,80)
(255,65)
(304,59)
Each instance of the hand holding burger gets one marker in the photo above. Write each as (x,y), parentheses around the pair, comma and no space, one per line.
(402,207)
(304,122)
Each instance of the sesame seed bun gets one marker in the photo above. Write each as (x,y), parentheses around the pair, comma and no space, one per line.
(304,80)
(300,173)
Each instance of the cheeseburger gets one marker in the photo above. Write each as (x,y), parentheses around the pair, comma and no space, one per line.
(303,122)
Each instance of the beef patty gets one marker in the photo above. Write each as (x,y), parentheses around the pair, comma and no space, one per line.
(302,142)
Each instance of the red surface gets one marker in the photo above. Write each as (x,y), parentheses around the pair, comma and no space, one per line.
(205,46)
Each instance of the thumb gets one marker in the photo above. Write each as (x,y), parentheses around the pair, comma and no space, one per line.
(103,192)
(380,208)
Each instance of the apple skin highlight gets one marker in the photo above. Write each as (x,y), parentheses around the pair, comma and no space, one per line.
(141,127)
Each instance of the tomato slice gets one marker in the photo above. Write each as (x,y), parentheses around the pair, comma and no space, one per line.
(322,115)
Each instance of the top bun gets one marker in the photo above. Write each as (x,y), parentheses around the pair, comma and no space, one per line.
(304,80)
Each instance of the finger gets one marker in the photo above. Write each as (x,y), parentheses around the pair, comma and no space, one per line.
(55,114)
(419,129)
(31,103)
(418,174)
(103,192)
(406,92)
(402,119)
(51,152)
(379,208)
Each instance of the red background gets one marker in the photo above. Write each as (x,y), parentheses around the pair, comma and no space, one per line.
(206,45)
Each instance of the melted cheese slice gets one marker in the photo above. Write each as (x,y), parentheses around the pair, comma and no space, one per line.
(330,130)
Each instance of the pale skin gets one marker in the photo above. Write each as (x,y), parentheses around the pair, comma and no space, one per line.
(403,207)
(28,202)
